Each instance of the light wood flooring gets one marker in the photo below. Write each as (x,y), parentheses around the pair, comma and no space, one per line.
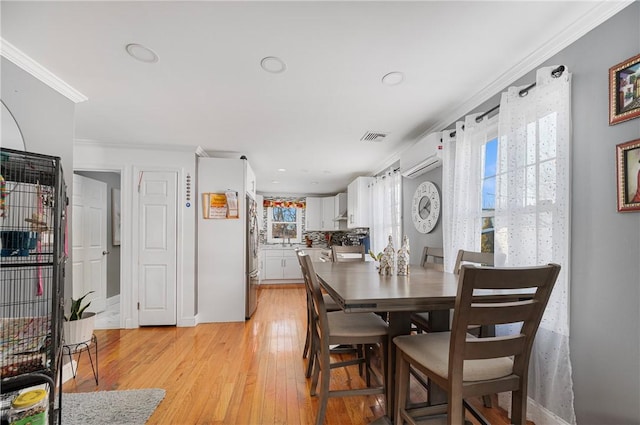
(231,373)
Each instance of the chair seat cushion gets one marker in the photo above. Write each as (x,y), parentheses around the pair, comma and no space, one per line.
(343,324)
(432,351)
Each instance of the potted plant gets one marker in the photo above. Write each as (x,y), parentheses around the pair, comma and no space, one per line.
(79,325)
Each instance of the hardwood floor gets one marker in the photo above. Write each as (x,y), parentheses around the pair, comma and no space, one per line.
(231,373)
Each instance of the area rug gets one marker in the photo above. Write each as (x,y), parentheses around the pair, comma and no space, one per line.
(128,407)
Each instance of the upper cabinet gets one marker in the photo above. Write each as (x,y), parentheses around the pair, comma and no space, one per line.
(321,213)
(313,214)
(340,211)
(358,210)
(260,210)
(250,182)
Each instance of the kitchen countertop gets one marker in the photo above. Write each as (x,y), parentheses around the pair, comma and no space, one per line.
(292,246)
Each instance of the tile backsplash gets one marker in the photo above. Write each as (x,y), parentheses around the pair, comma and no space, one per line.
(320,239)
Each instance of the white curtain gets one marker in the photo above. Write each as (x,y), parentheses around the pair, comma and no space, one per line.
(463,161)
(386,214)
(532,224)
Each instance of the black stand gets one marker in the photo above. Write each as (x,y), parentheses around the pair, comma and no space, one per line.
(70,350)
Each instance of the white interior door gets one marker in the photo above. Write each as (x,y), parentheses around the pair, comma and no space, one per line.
(157,227)
(90,241)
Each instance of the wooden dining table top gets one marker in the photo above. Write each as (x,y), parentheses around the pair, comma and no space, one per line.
(357,287)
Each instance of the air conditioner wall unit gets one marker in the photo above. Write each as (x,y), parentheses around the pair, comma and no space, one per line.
(423,156)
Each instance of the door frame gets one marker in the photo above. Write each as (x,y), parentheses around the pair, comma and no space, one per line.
(123,244)
(133,295)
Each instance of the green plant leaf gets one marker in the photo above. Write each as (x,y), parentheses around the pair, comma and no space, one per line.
(77,308)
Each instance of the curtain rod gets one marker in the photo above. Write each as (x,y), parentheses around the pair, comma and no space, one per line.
(555,73)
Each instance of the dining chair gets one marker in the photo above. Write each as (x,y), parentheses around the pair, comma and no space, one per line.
(342,254)
(338,327)
(330,305)
(465,366)
(432,257)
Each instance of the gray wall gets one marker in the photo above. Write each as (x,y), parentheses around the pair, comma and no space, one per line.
(605,244)
(417,240)
(46,119)
(113,259)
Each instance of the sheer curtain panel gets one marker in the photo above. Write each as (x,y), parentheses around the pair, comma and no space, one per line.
(532,225)
(463,208)
(386,217)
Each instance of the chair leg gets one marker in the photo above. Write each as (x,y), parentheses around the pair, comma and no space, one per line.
(325,370)
(402,387)
(519,408)
(307,342)
(486,400)
(455,411)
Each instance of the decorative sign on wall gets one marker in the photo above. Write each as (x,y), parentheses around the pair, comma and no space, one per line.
(628,170)
(624,90)
(220,205)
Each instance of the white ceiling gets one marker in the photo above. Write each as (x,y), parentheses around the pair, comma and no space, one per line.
(208,89)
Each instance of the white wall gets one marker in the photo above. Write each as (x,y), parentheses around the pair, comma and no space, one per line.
(417,240)
(46,119)
(129,160)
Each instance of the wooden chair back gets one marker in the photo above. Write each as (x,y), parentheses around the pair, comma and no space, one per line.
(480,258)
(432,257)
(464,348)
(341,254)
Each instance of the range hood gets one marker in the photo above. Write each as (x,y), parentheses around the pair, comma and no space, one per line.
(342,216)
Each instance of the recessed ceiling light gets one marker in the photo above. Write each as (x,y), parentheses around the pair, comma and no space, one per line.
(315,183)
(273,64)
(393,78)
(275,181)
(141,53)
(282,170)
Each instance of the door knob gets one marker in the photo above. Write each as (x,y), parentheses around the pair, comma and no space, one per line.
(105,252)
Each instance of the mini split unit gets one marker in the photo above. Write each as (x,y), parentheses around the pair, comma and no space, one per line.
(423,156)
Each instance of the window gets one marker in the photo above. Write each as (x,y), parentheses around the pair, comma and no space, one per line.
(488,194)
(284,225)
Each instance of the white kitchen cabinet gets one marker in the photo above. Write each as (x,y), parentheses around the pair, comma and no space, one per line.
(321,213)
(328,214)
(281,264)
(358,210)
(260,211)
(250,181)
(340,210)
(313,213)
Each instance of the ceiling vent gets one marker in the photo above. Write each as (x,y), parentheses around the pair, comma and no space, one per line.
(371,136)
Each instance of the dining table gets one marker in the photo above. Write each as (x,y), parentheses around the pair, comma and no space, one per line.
(358,287)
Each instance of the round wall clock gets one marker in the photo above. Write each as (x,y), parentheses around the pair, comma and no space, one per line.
(425,208)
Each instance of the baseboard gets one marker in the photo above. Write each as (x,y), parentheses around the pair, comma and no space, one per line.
(67,372)
(535,412)
(187,322)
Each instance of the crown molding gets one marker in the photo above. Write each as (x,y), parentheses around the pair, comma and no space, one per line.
(135,146)
(601,12)
(32,67)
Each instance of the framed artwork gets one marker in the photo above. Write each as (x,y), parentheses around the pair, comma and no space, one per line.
(624,90)
(628,172)
(115,216)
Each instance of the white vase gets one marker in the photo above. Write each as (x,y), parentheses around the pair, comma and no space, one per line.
(79,331)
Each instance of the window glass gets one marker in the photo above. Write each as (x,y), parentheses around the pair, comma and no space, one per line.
(489,194)
(284,225)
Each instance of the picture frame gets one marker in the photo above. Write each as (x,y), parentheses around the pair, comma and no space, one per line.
(115,217)
(628,175)
(624,91)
